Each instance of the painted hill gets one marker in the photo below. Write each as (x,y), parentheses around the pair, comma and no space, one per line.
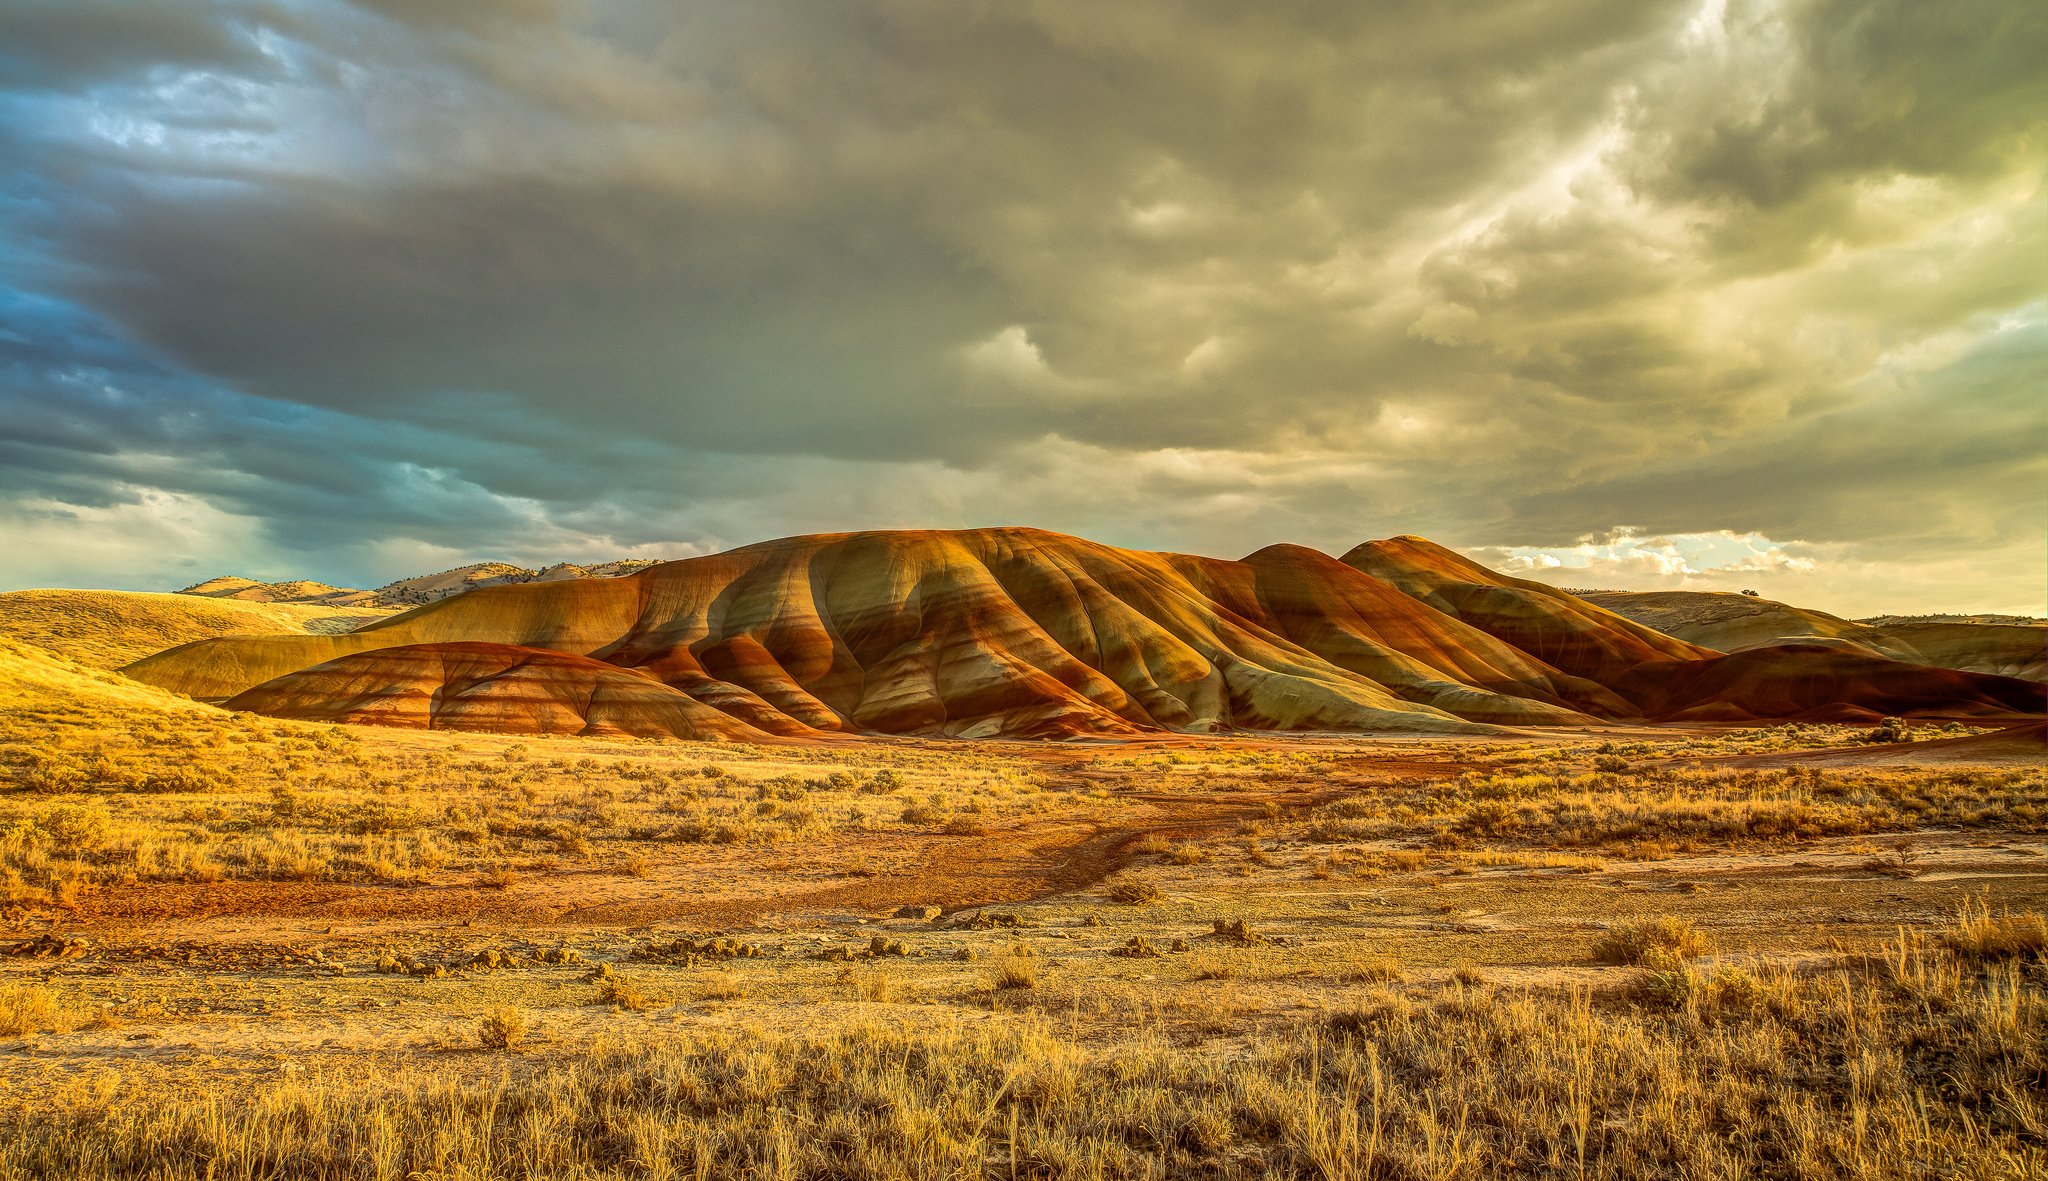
(1733,623)
(406,592)
(1025,633)
(493,687)
(107,629)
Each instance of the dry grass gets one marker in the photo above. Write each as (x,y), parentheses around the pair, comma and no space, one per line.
(1564,805)
(107,629)
(1913,1064)
(1016,968)
(106,781)
(1981,936)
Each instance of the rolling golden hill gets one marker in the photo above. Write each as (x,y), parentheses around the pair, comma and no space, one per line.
(107,629)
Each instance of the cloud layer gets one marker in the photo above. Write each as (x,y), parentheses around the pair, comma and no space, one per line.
(346,289)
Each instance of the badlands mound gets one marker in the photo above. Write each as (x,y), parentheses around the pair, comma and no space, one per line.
(1732,623)
(1025,633)
(491,687)
(107,629)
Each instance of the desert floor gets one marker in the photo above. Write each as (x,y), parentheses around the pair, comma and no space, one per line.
(240,947)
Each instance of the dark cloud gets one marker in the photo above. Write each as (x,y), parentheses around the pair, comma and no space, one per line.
(73,44)
(402,278)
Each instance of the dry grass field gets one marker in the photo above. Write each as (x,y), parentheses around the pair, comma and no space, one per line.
(240,947)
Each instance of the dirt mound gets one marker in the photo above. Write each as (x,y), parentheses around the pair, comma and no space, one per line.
(1024,633)
(499,688)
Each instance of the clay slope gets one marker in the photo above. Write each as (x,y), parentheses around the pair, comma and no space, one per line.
(1732,622)
(107,629)
(499,688)
(1000,632)
(1562,629)
(1818,682)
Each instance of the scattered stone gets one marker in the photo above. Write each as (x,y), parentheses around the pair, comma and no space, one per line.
(48,945)
(924,912)
(984,920)
(1235,931)
(687,951)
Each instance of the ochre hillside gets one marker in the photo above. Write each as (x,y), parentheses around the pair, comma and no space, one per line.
(107,629)
(1732,622)
(1021,632)
(1547,623)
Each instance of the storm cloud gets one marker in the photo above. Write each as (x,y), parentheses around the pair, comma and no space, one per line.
(350,291)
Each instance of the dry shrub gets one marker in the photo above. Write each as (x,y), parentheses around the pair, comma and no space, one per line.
(1134,893)
(1661,942)
(628,992)
(503,1028)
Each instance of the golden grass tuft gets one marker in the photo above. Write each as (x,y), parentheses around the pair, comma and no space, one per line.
(1016,968)
(1978,935)
(1663,941)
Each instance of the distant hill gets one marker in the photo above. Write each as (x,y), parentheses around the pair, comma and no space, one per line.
(406,592)
(1023,633)
(2003,645)
(107,629)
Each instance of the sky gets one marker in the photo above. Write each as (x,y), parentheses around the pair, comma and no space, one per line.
(1610,293)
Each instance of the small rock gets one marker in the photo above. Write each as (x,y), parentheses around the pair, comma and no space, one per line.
(924,912)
